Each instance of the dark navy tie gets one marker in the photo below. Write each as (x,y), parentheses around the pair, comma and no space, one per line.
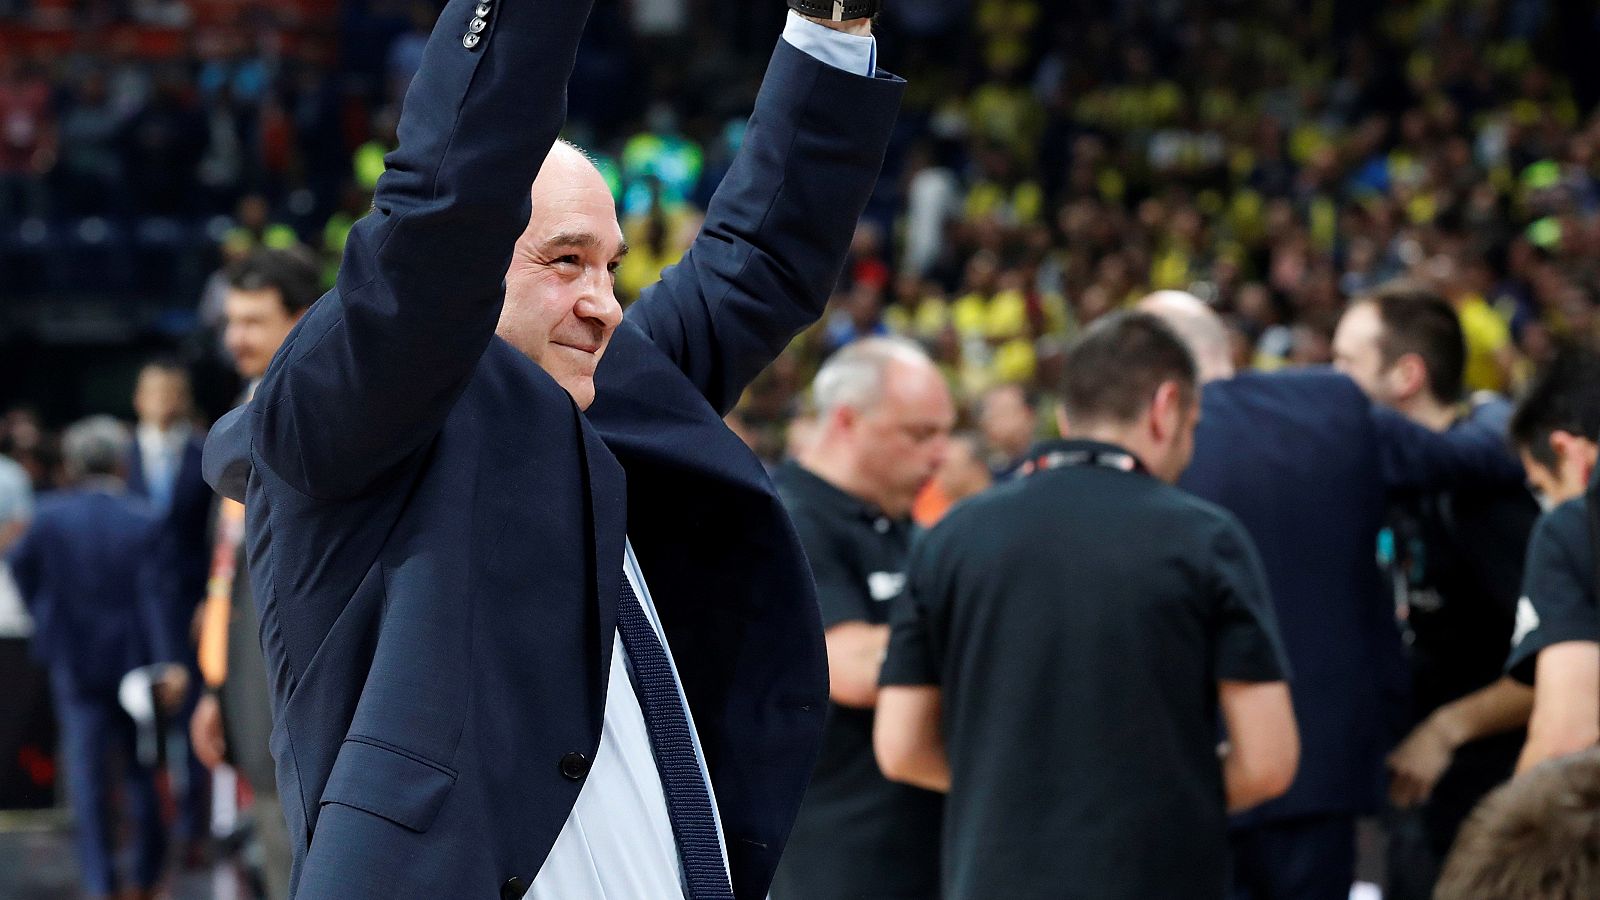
(694,825)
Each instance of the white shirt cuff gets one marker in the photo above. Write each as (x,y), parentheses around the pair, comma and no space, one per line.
(854,53)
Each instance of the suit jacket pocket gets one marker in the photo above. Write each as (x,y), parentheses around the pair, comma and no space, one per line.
(386,781)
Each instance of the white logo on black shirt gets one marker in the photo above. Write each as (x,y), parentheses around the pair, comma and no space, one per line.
(885,585)
(1527,621)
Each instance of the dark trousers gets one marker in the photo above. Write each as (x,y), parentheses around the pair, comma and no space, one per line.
(97,743)
(1310,858)
(191,780)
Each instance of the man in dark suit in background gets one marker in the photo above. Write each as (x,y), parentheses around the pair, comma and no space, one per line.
(89,571)
(1307,462)
(535,620)
(164,469)
(1454,559)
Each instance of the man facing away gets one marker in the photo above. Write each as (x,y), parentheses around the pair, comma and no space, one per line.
(1455,560)
(89,572)
(1556,646)
(1067,642)
(535,620)
(1307,464)
(884,417)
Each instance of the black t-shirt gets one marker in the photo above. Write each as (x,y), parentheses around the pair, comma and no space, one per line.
(1558,588)
(1078,621)
(1455,560)
(858,835)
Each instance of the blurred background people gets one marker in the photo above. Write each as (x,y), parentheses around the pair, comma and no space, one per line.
(1454,559)
(963,473)
(91,574)
(1068,642)
(268,292)
(1556,645)
(164,470)
(1010,424)
(884,417)
(1306,462)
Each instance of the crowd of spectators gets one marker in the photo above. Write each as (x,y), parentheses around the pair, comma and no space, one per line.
(1273,158)
(1057,161)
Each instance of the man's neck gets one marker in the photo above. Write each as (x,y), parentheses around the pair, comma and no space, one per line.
(1123,436)
(842,474)
(1424,410)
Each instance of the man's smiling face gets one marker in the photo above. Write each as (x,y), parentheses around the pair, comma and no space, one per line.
(561,305)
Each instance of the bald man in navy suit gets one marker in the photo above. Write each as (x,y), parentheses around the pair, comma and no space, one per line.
(536,621)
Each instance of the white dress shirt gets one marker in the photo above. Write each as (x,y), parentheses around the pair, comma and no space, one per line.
(617,843)
(161,455)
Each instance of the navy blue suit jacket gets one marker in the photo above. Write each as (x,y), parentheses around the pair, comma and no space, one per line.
(186,527)
(435,532)
(88,571)
(1307,462)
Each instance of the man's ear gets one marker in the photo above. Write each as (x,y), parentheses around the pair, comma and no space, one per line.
(1166,411)
(844,418)
(1565,445)
(1574,450)
(1408,376)
(1063,425)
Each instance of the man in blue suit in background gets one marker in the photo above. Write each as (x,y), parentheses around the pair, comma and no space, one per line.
(164,468)
(90,575)
(536,621)
(1307,461)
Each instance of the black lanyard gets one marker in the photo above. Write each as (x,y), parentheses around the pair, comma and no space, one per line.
(1121,460)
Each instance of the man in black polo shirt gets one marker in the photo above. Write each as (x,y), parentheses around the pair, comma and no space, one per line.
(1067,641)
(1556,647)
(884,417)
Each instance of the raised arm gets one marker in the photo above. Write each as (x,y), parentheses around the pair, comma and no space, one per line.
(368,376)
(778,227)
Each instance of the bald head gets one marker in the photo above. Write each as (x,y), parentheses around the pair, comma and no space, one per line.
(1198,326)
(884,418)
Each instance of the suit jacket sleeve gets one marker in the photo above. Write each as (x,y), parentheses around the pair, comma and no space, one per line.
(778,227)
(369,375)
(1415,458)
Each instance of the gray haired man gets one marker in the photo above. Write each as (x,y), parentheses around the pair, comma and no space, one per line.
(88,571)
(883,424)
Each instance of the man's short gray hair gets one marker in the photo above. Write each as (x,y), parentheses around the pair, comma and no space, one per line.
(95,446)
(855,375)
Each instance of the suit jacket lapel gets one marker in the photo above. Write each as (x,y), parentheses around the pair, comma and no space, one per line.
(607,494)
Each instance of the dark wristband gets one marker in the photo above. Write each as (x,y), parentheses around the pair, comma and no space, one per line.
(837,10)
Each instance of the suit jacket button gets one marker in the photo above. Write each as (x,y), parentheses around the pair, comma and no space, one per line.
(476,26)
(513,889)
(469,40)
(482,11)
(575,765)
